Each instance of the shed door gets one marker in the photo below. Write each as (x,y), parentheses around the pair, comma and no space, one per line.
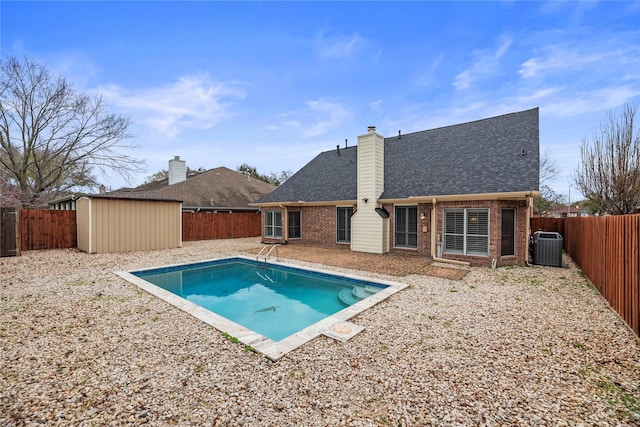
(508,232)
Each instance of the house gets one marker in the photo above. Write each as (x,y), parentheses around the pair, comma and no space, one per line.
(460,193)
(214,190)
(568,211)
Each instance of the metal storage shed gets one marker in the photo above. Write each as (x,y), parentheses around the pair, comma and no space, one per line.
(120,224)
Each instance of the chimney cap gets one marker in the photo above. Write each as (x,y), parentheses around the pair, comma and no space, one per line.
(371,129)
(176,157)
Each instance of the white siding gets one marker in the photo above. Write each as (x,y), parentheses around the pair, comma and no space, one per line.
(367,227)
(177,170)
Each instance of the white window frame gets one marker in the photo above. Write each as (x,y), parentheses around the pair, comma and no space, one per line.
(272,227)
(466,236)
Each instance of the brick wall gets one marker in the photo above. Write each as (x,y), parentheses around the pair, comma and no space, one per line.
(319,228)
(424,230)
(495,231)
(318,225)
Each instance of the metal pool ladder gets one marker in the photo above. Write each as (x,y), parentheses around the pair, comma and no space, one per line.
(266,255)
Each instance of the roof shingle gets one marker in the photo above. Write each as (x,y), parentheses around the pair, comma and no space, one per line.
(216,188)
(494,155)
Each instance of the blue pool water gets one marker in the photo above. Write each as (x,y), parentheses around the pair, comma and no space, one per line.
(273,300)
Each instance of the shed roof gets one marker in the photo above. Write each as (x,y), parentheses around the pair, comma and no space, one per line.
(493,155)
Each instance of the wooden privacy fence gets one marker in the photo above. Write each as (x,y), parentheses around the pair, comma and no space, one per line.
(47,229)
(208,226)
(57,229)
(547,224)
(607,249)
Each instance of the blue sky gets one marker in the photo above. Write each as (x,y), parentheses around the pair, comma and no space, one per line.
(272,84)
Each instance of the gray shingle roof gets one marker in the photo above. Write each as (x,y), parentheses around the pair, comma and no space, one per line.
(494,155)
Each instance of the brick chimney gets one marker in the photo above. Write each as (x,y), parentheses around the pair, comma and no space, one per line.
(177,170)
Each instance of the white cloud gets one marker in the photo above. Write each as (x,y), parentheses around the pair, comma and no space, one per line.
(376,105)
(601,58)
(339,46)
(486,62)
(538,96)
(604,98)
(558,59)
(193,102)
(319,117)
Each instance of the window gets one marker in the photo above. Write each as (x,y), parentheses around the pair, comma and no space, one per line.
(508,243)
(343,226)
(466,231)
(273,224)
(406,222)
(294,225)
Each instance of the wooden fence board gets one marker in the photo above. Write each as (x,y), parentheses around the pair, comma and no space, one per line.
(47,229)
(547,224)
(208,226)
(9,236)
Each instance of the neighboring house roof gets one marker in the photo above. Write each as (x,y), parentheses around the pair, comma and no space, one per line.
(216,188)
(494,155)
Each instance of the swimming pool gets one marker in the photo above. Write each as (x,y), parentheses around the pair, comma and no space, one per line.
(273,308)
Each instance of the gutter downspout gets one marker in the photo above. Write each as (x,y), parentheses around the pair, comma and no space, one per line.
(433,228)
(285,220)
(433,239)
(528,226)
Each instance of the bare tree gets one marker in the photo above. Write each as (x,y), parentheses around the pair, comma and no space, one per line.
(547,199)
(273,178)
(609,174)
(52,138)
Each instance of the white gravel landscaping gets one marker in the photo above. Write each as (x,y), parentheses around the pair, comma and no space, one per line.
(80,346)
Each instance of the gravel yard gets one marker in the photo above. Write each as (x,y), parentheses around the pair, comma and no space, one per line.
(511,346)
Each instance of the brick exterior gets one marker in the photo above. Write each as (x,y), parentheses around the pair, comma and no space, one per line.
(495,231)
(318,227)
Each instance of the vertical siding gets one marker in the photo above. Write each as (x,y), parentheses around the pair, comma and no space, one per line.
(82,219)
(133,225)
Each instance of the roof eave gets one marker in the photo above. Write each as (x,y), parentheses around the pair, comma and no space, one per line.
(513,195)
(219,208)
(304,203)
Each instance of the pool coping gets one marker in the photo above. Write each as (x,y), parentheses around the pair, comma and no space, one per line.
(335,326)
